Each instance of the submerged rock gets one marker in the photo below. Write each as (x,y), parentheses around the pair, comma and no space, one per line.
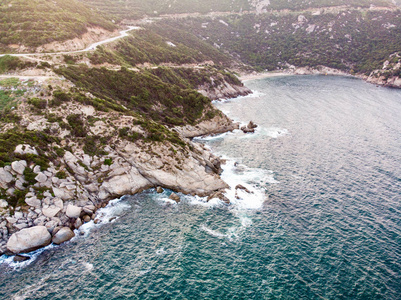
(29,239)
(63,235)
(21,258)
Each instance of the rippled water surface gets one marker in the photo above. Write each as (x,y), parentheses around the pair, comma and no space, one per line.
(323,221)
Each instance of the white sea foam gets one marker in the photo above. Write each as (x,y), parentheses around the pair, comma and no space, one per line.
(108,214)
(254,180)
(253,94)
(20,265)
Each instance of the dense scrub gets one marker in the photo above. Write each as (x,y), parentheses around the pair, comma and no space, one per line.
(11,63)
(356,41)
(159,44)
(142,92)
(37,22)
(133,9)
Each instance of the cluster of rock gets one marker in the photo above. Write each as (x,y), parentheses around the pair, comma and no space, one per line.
(250,128)
(224,90)
(89,184)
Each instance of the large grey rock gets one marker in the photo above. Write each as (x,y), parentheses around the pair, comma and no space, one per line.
(19,166)
(3,203)
(5,176)
(89,209)
(58,202)
(73,211)
(33,201)
(63,235)
(29,239)
(51,211)
(41,177)
(63,193)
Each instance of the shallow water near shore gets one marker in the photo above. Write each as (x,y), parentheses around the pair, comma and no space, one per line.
(322,219)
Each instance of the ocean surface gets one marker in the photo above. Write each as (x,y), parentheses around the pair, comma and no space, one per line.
(321,218)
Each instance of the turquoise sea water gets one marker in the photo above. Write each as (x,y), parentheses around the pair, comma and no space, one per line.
(323,222)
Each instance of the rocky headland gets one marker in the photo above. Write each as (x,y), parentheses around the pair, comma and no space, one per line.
(54,185)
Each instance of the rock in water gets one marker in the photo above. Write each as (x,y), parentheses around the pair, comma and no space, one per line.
(63,235)
(21,258)
(29,239)
(252,125)
(250,128)
(159,190)
(174,197)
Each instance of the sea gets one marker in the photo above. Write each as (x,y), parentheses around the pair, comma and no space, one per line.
(316,213)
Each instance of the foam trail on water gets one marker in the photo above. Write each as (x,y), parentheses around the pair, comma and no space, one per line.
(230,235)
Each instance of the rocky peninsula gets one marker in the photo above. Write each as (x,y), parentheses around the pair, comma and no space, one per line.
(56,178)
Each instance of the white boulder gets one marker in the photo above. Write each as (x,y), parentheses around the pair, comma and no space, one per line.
(19,166)
(51,211)
(29,239)
(5,176)
(63,235)
(73,211)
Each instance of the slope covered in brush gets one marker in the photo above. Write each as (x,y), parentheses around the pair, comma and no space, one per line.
(37,22)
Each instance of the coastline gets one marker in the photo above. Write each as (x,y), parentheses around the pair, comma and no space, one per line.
(391,82)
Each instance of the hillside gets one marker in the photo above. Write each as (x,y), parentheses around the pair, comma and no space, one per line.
(356,41)
(134,9)
(38,22)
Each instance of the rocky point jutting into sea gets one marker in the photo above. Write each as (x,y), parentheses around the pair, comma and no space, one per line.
(68,191)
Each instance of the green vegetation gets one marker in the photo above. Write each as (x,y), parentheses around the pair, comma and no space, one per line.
(37,22)
(159,44)
(353,40)
(149,96)
(133,9)
(303,4)
(10,93)
(13,137)
(11,63)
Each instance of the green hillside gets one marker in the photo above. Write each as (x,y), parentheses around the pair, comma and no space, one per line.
(37,22)
(350,40)
(133,9)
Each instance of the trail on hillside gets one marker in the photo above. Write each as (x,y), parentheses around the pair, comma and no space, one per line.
(91,47)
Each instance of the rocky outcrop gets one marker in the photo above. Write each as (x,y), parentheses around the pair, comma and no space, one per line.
(250,128)
(393,81)
(219,124)
(29,239)
(224,90)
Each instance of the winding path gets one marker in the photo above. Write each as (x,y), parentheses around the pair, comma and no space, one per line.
(91,47)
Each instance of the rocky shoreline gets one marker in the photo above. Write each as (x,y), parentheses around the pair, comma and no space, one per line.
(69,192)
